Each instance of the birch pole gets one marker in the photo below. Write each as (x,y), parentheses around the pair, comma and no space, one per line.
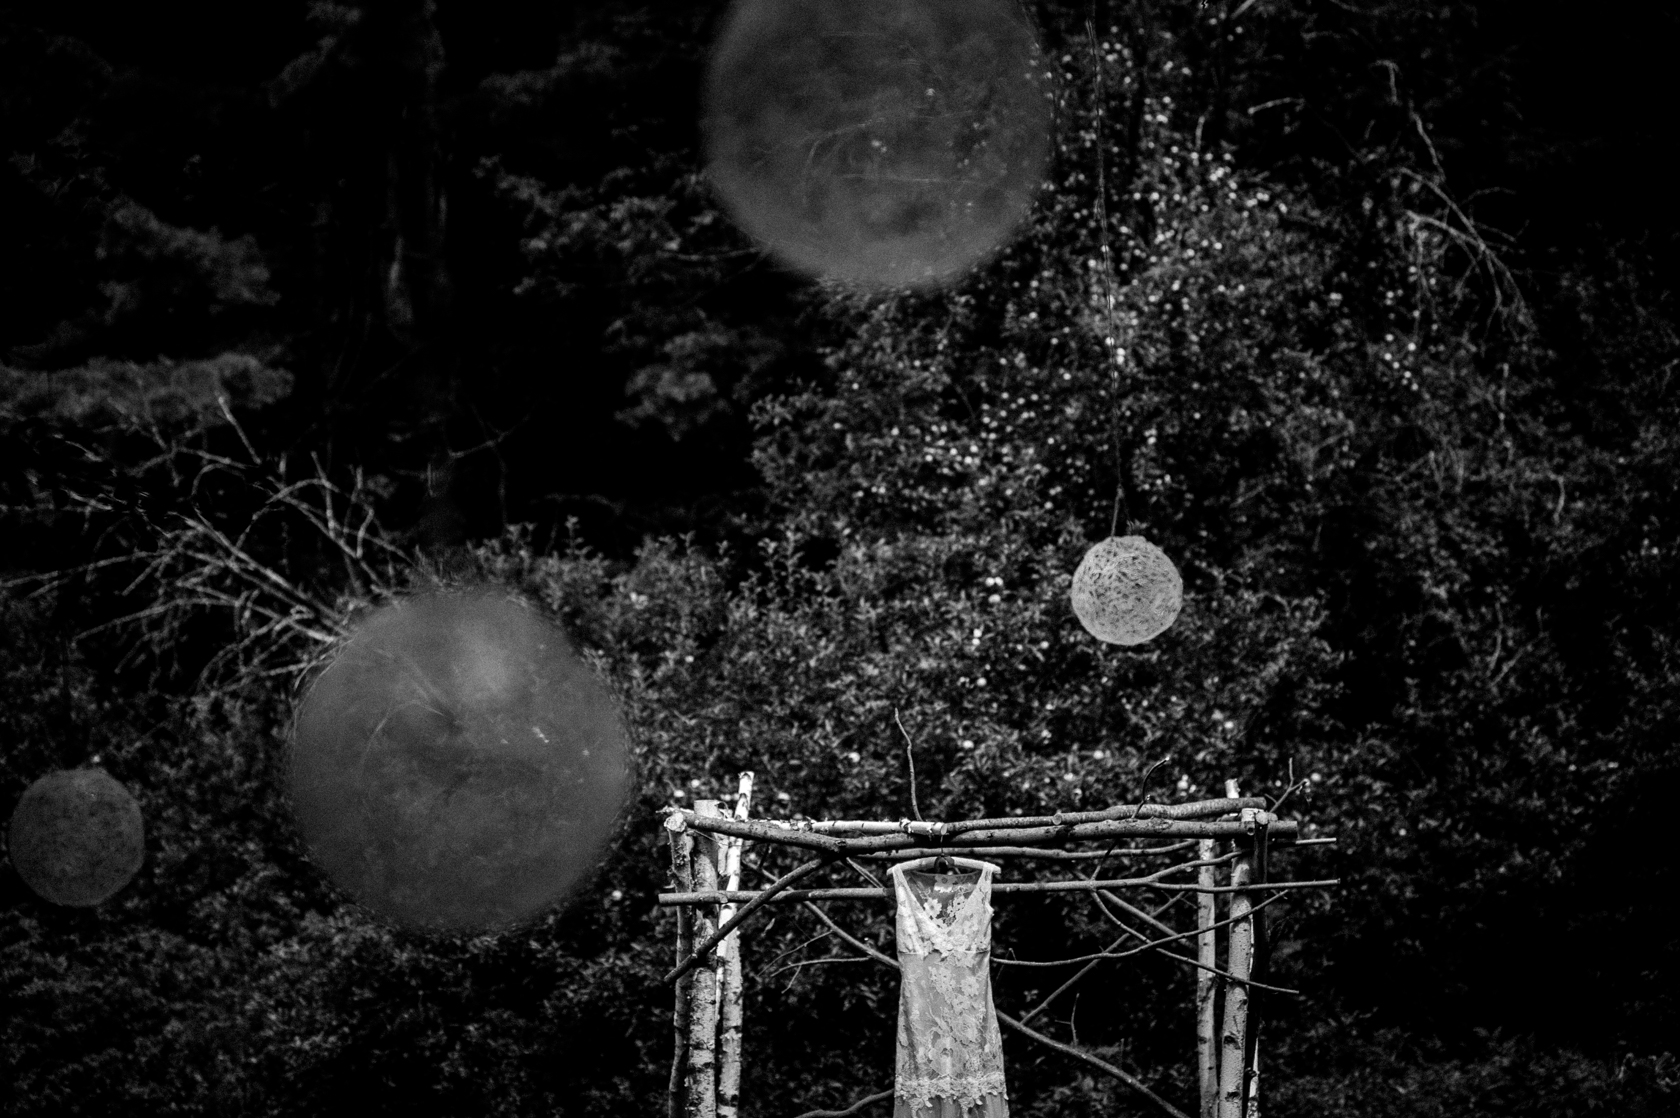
(1207,953)
(703,1002)
(1257,919)
(682,872)
(730,982)
(1239,962)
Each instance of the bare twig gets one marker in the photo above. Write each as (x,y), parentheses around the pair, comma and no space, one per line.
(754,902)
(802,945)
(1293,784)
(803,963)
(910,756)
(1143,785)
(867,1100)
(1201,932)
(867,876)
(1150,945)
(847,937)
(1104,1066)
(1083,971)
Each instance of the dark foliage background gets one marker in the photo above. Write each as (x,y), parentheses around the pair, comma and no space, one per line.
(303,305)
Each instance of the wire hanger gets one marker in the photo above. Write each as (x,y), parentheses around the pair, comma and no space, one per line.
(931,862)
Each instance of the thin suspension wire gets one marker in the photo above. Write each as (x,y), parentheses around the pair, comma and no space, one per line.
(1111,338)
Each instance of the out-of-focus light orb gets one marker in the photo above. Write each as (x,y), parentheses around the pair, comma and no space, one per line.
(1126,591)
(77,837)
(457,768)
(881,143)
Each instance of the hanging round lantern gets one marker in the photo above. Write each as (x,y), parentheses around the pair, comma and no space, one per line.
(1126,591)
(457,768)
(77,837)
(881,143)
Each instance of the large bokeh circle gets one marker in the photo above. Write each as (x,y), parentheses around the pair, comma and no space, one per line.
(882,143)
(457,768)
(77,837)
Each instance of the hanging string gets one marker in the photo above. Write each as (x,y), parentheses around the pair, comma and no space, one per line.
(1111,337)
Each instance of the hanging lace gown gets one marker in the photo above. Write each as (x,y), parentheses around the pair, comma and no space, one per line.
(950,1055)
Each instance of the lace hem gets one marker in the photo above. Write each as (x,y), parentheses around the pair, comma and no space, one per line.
(970,1090)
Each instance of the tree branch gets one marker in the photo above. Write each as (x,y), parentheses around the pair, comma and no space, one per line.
(964,834)
(720,896)
(1149,945)
(754,901)
(1127,1078)
(867,1100)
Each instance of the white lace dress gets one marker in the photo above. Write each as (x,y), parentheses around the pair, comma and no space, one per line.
(950,1055)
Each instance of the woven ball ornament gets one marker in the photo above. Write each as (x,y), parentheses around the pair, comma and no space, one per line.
(1126,591)
(880,143)
(457,769)
(77,837)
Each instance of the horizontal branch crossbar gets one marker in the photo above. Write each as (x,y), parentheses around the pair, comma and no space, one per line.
(1006,888)
(1043,853)
(1282,832)
(855,828)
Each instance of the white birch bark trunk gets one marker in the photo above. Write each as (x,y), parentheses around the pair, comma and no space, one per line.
(730,981)
(703,1016)
(1207,953)
(682,848)
(1239,962)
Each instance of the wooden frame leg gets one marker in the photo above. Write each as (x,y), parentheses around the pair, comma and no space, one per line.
(703,1003)
(682,848)
(1239,962)
(1207,988)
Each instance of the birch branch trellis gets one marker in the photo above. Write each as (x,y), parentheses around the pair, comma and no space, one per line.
(1235,834)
